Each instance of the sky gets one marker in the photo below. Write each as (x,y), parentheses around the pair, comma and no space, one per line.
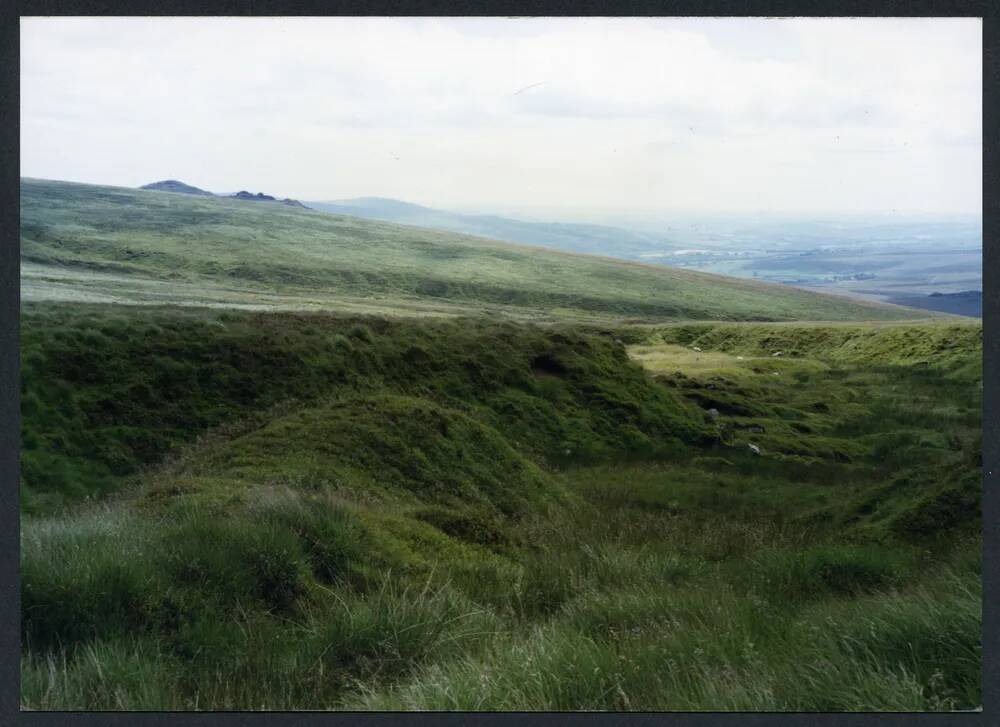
(566,117)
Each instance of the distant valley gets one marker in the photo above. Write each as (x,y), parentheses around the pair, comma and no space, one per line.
(933,265)
(571,237)
(870,259)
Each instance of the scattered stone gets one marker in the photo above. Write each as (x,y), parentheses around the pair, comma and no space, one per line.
(714,413)
(754,448)
(739,358)
(776,354)
(259,197)
(775,373)
(695,348)
(756,429)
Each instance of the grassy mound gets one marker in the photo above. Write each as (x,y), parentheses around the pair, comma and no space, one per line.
(384,444)
(106,393)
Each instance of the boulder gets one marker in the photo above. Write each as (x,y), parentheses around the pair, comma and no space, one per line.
(259,197)
(754,448)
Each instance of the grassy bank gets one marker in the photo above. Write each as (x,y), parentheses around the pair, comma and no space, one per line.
(106,392)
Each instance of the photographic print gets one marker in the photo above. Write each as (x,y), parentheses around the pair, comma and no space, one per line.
(501,364)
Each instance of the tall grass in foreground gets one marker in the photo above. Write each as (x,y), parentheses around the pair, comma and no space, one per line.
(598,619)
(712,649)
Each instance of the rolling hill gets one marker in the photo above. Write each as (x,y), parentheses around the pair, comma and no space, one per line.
(172,185)
(967,303)
(109,244)
(569,237)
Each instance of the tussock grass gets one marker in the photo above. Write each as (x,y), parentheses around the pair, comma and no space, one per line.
(714,649)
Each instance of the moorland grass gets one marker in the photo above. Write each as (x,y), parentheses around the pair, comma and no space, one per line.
(394,522)
(106,393)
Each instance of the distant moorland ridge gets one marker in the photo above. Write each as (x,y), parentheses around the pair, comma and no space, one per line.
(218,250)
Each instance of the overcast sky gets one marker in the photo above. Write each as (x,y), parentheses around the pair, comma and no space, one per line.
(821,116)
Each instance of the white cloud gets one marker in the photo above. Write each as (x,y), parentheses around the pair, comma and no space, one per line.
(794,115)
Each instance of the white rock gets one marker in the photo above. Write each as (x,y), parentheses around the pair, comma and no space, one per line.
(696,349)
(754,448)
(776,353)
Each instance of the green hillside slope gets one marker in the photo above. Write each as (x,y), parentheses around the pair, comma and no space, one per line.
(567,236)
(83,242)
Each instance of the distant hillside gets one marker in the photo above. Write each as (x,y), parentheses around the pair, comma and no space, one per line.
(83,242)
(571,237)
(967,303)
(172,185)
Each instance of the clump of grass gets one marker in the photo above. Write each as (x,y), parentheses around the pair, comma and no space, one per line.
(120,674)
(334,541)
(803,574)
(480,527)
(397,626)
(83,578)
(549,670)
(360,332)
(234,561)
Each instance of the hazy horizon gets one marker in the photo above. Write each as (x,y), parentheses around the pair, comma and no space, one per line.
(561,118)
